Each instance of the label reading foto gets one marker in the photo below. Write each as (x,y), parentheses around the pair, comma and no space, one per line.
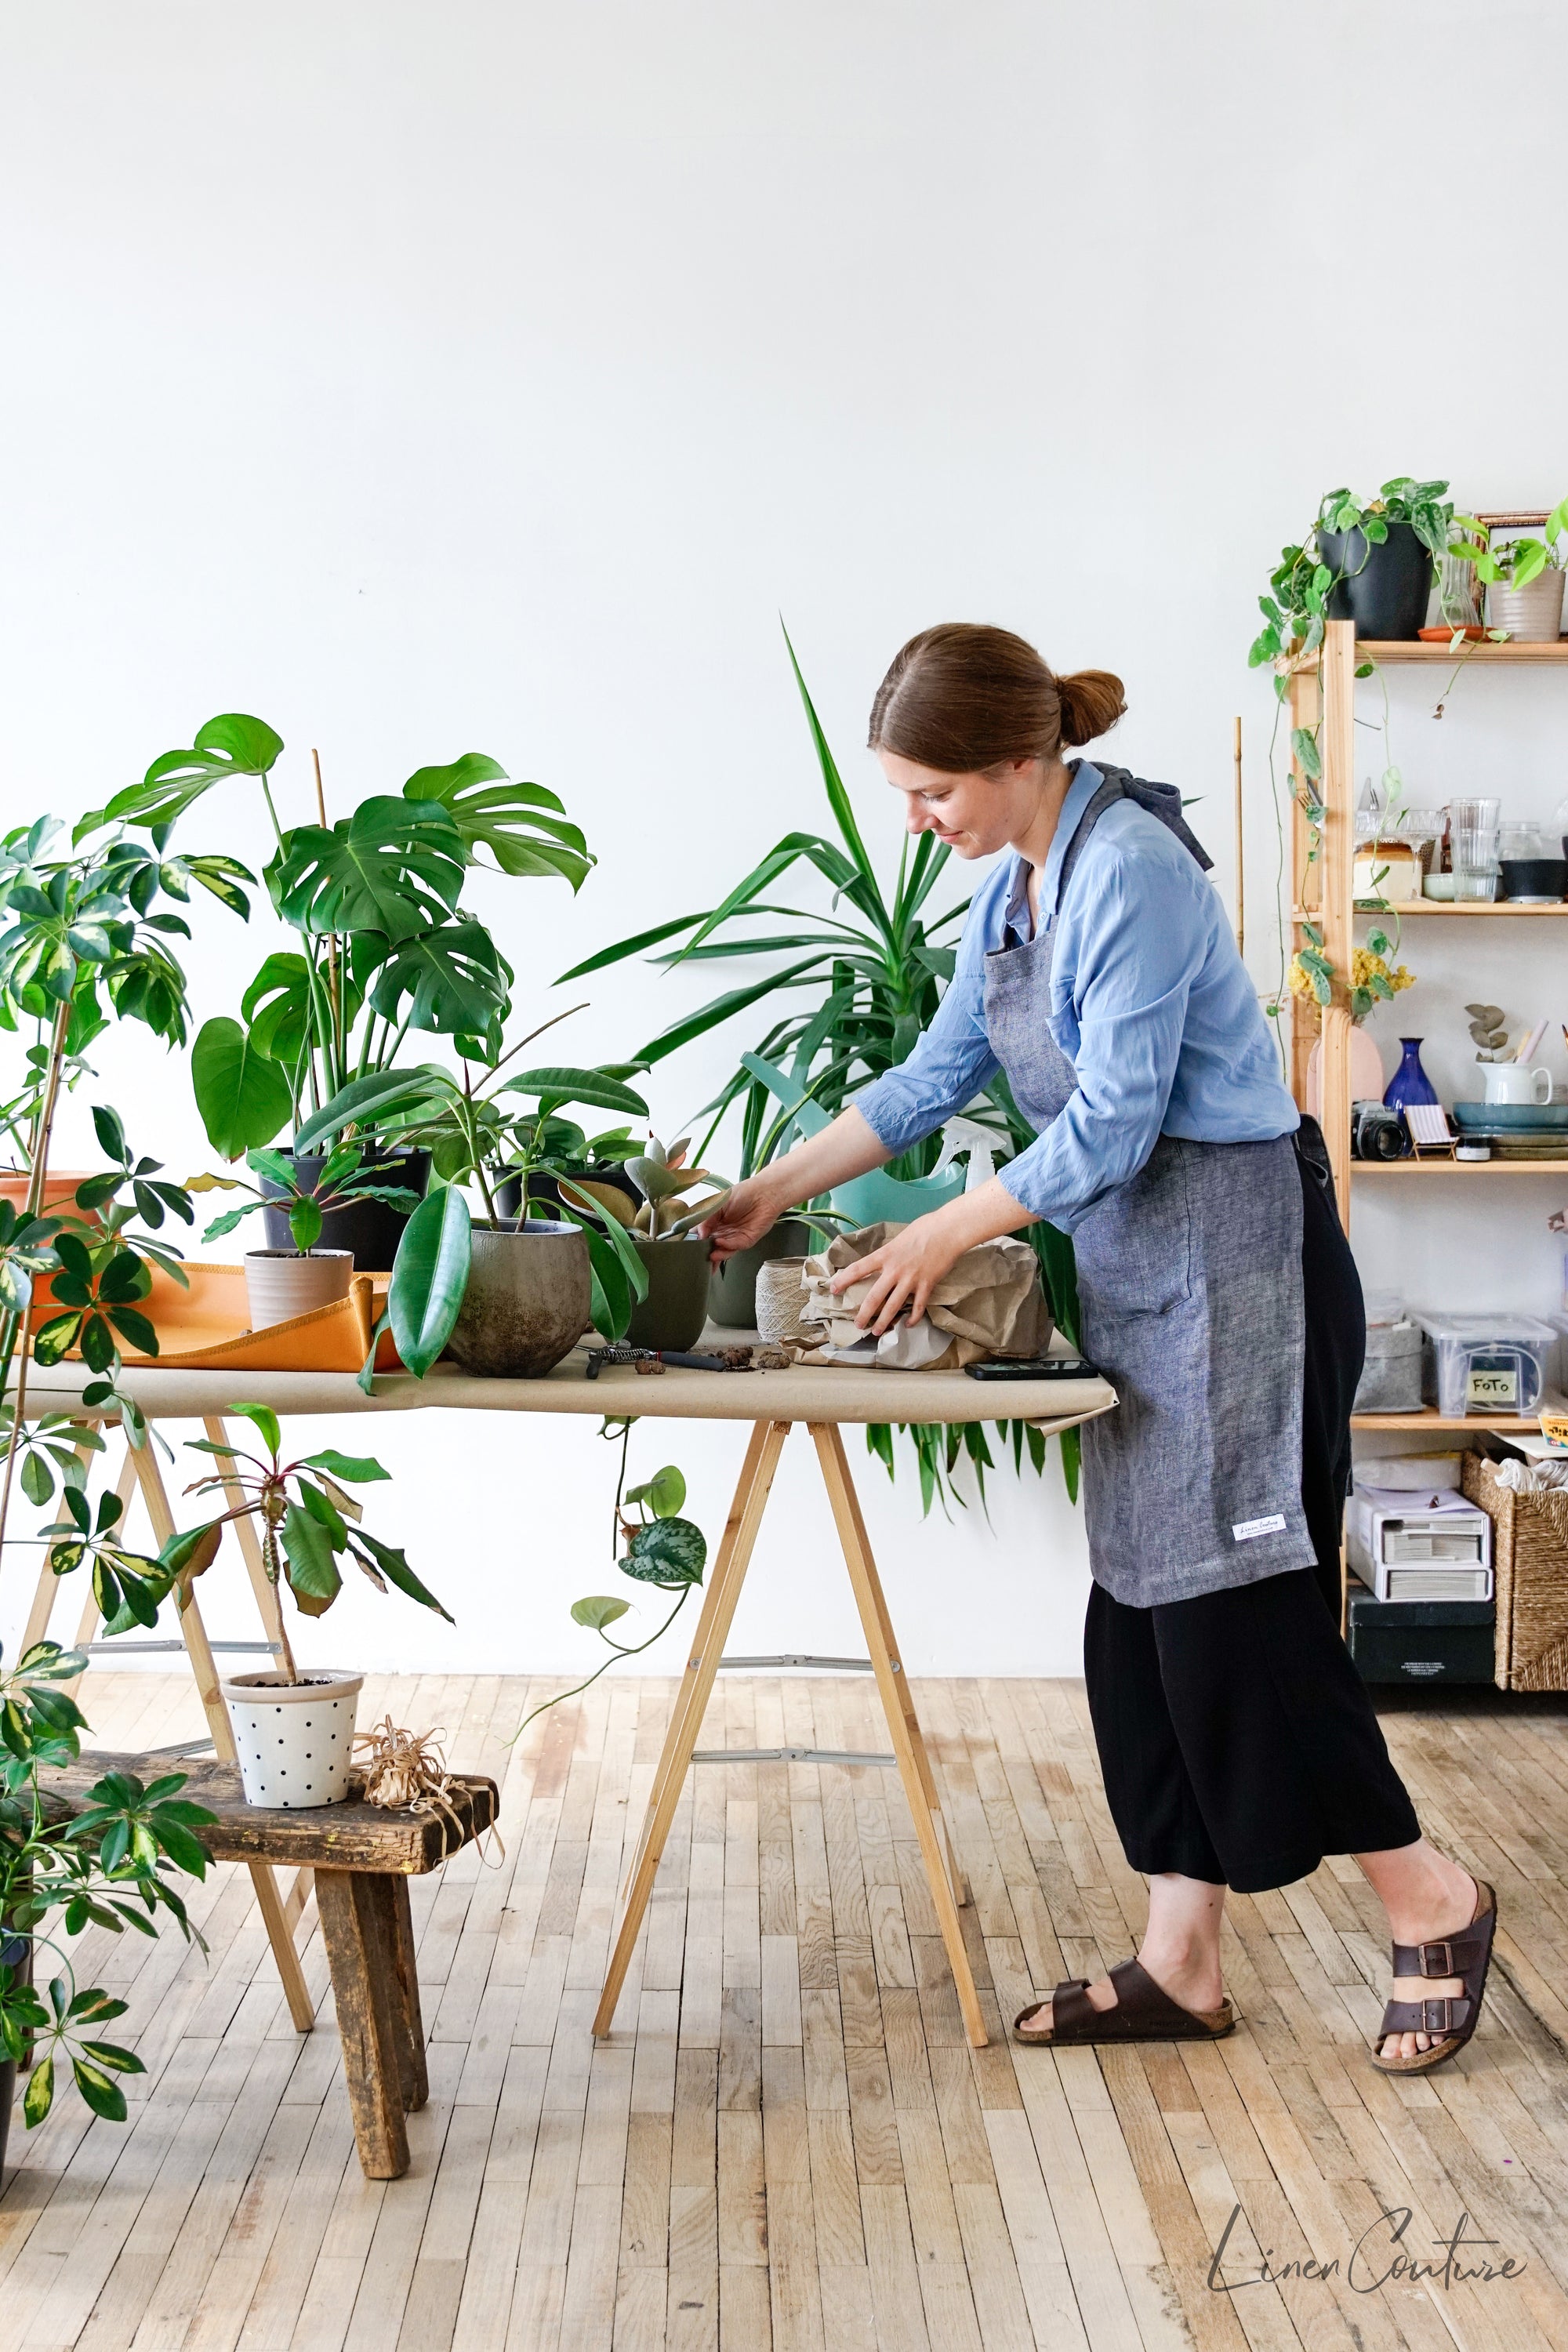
(1492,1386)
(1244,1530)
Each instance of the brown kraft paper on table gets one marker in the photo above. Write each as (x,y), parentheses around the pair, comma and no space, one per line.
(990,1303)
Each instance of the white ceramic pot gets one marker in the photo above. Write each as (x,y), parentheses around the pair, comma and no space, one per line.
(294,1739)
(1533,615)
(281,1284)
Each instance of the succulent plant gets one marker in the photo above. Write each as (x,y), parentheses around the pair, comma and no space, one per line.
(662,1177)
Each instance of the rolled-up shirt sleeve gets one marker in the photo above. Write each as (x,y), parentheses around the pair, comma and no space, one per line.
(950,1064)
(1138,948)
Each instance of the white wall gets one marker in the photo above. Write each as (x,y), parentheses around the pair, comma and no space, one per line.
(492,375)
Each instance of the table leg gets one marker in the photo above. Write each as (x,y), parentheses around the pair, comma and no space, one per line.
(955,1877)
(42,1609)
(701,1643)
(204,1665)
(696,1686)
(359,1927)
(903,1729)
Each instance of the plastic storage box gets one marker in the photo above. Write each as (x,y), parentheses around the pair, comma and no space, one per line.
(1483,1364)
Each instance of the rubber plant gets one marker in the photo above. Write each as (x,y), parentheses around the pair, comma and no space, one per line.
(480,1127)
(307,1520)
(860,982)
(109,1868)
(385,945)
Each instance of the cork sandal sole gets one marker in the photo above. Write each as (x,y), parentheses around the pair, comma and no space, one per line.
(1144,2013)
(1453,2017)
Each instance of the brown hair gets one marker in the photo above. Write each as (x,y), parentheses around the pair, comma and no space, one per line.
(964,697)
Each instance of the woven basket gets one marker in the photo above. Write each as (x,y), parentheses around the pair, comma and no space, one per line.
(780,1298)
(1529,1555)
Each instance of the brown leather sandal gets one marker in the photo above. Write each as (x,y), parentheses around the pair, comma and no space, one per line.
(1453,2016)
(1144,2013)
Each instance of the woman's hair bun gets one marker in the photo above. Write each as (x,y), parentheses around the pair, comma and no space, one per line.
(1092,700)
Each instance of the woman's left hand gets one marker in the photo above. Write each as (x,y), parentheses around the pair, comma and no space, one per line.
(904,1272)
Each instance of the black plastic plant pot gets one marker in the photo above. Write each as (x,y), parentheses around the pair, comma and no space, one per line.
(508,1192)
(732,1284)
(1386,587)
(1534,878)
(369,1228)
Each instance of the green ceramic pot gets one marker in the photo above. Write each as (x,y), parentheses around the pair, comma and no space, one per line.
(676,1307)
(732,1286)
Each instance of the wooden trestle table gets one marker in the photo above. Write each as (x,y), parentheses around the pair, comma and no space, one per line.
(823,1398)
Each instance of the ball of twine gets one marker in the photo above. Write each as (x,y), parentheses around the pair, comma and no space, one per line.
(780,1296)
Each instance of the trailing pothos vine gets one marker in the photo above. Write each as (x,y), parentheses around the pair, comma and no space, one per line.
(662,1548)
(1296,613)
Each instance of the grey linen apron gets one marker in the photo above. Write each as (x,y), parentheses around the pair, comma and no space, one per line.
(1189,1280)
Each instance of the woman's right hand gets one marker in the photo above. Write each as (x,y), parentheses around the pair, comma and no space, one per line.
(741,1218)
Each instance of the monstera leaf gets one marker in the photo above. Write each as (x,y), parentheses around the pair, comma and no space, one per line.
(241,1094)
(523,826)
(230,745)
(454,975)
(277,1005)
(393,867)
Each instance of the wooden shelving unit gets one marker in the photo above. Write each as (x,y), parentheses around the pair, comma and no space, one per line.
(1429,1420)
(1335,915)
(1329,697)
(1466,912)
(1460,1166)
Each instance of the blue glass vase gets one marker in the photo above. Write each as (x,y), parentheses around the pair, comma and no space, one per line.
(1410,1083)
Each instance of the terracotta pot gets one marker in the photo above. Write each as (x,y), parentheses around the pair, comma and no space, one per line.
(732,1286)
(59,1187)
(281,1284)
(676,1307)
(1533,615)
(529,1299)
(295,1740)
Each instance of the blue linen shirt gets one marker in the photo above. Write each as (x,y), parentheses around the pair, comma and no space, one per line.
(1149,1000)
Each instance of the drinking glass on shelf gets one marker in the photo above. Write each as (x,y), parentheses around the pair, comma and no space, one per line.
(1473,833)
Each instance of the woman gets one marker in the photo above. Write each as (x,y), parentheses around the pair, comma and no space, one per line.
(1217,1293)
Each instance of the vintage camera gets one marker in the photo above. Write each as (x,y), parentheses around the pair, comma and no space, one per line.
(1377,1132)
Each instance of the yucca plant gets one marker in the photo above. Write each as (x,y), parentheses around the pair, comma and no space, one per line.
(862,982)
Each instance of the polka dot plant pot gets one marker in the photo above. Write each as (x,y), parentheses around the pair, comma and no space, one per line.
(294,1739)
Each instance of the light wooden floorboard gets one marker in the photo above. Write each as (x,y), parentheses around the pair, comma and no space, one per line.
(787,2145)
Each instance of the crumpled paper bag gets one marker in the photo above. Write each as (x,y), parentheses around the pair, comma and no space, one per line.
(989,1304)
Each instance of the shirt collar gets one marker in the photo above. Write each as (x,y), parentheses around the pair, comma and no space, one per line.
(1085,782)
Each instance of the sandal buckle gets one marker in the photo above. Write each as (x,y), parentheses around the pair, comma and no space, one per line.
(1436,2016)
(1428,1967)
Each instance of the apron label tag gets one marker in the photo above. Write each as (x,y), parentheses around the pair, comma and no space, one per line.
(1244,1530)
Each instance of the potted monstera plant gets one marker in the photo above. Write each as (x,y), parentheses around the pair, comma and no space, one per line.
(386,948)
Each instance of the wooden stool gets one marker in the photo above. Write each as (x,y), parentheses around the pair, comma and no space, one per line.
(362,1859)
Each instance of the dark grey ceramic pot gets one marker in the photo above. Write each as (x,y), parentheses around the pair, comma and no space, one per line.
(676,1307)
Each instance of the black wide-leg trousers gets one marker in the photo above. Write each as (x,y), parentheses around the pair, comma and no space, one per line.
(1237,1739)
